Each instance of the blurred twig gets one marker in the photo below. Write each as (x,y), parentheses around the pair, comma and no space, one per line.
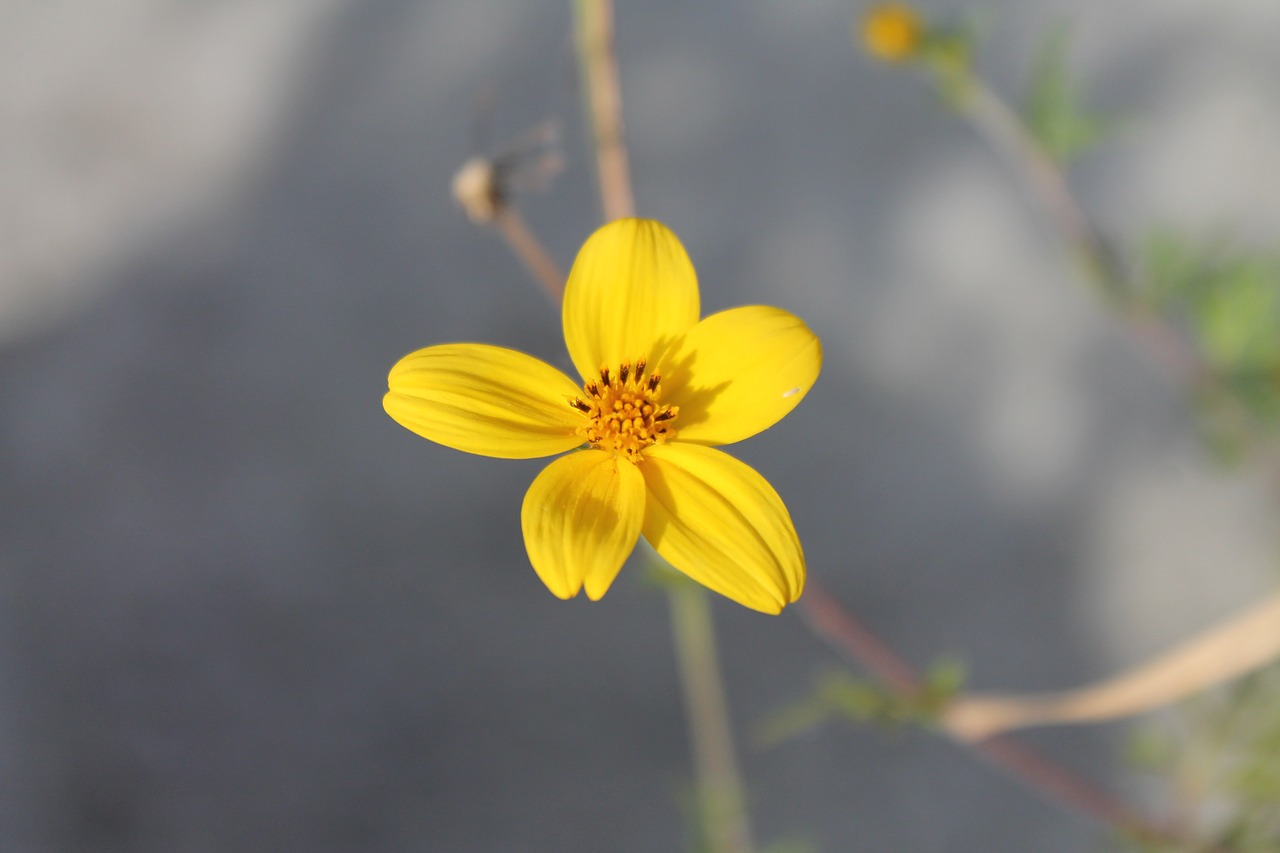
(1001,126)
(603,95)
(1006,132)
(479,188)
(828,619)
(721,801)
(1244,643)
(512,226)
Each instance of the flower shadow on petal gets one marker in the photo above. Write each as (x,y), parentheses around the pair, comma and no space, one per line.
(702,533)
(694,401)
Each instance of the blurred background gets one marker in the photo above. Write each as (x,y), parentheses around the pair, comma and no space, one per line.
(241,609)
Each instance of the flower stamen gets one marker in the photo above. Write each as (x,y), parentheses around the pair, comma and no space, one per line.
(623,411)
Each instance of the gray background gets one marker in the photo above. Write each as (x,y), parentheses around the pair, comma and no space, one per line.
(241,609)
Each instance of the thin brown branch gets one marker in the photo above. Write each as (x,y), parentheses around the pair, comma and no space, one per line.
(599,70)
(479,189)
(833,623)
(826,618)
(529,250)
(1061,785)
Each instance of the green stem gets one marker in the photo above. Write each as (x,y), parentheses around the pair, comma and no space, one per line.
(720,797)
(1006,132)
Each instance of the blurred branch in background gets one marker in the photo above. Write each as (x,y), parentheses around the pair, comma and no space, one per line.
(1232,308)
(1242,645)
(602,95)
(721,800)
(913,698)
(1211,316)
(484,187)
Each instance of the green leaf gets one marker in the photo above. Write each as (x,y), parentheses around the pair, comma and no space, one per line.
(1221,753)
(1227,299)
(863,700)
(1053,111)
(791,721)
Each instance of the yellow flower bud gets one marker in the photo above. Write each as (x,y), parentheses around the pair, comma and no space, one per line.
(892,32)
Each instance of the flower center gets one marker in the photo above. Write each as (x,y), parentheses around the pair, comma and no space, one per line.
(623,410)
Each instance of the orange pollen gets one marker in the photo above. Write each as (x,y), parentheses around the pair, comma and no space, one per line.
(623,411)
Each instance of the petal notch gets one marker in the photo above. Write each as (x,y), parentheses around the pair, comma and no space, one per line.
(581,519)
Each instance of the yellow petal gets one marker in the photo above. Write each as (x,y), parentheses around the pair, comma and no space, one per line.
(484,399)
(738,372)
(581,518)
(631,291)
(718,521)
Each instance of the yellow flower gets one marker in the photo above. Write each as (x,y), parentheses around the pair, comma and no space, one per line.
(892,31)
(660,389)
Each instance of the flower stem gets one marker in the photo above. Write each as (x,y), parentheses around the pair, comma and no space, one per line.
(598,69)
(721,801)
(718,786)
